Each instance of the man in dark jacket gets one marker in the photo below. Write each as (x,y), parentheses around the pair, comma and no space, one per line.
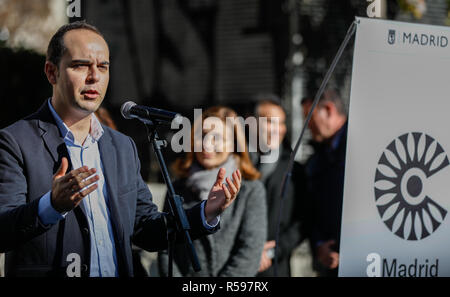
(72,200)
(272,161)
(325,172)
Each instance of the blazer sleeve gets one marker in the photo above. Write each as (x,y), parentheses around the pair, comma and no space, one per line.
(19,220)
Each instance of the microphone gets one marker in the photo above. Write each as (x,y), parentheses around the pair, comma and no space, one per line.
(148,115)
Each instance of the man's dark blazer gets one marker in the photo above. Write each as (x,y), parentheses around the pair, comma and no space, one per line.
(325,171)
(30,153)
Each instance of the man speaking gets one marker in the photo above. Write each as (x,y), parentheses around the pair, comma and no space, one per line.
(70,188)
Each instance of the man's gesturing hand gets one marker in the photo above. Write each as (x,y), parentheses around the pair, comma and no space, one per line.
(66,188)
(222,194)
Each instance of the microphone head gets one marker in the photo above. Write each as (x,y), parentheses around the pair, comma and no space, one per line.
(125,109)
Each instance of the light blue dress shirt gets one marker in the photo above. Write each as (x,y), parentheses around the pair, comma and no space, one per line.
(103,252)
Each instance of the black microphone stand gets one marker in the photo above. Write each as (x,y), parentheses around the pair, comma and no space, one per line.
(176,222)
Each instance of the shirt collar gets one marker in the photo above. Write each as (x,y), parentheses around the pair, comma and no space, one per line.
(95,132)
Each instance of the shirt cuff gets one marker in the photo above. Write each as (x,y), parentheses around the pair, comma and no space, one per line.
(205,223)
(47,214)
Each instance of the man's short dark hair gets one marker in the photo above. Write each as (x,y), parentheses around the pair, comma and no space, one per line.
(329,95)
(262,99)
(56,47)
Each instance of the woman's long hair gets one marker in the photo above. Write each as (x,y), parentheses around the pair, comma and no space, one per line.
(182,165)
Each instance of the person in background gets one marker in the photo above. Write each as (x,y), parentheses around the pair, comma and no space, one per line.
(273,130)
(325,173)
(237,249)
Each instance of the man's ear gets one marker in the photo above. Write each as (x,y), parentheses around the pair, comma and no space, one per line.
(51,71)
(329,108)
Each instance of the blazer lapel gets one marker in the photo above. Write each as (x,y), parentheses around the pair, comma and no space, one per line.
(108,157)
(50,134)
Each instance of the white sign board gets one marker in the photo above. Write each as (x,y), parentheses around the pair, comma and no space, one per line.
(396,219)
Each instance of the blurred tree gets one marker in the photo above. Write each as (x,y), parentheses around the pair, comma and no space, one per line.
(31,23)
(416,7)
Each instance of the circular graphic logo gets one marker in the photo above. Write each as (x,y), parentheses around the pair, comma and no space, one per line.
(401,181)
